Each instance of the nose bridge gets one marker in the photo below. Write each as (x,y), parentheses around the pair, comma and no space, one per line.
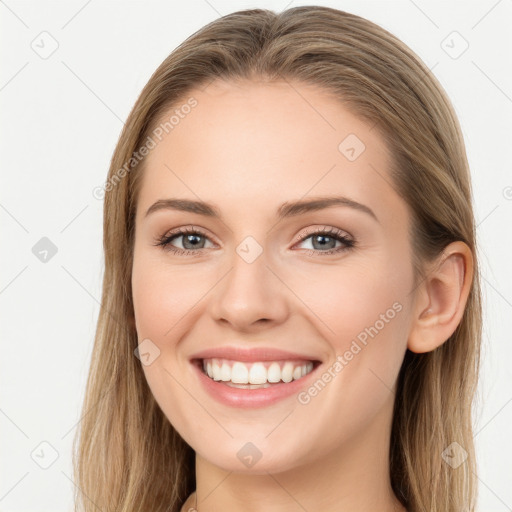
(250,291)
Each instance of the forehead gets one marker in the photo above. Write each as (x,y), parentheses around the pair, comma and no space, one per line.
(264,143)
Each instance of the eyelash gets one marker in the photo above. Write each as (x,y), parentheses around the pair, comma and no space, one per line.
(165,241)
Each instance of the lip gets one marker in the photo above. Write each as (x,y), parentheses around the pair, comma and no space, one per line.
(252,398)
(252,355)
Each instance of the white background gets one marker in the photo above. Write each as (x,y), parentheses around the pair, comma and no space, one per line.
(61,119)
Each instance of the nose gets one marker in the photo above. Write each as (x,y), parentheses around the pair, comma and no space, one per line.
(250,297)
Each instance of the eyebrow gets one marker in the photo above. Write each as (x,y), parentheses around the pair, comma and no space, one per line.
(287,209)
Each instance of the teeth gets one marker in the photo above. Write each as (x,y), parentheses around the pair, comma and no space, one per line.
(237,372)
(225,372)
(274,373)
(257,374)
(287,372)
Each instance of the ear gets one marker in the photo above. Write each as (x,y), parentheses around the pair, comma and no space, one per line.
(441,298)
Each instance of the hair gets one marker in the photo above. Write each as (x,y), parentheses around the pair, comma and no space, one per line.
(126,454)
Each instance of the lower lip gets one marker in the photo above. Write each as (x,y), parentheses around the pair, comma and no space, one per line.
(252,398)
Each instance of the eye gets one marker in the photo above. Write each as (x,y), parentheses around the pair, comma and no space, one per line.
(324,241)
(191,241)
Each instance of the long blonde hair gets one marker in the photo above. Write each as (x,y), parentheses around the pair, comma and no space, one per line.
(127,456)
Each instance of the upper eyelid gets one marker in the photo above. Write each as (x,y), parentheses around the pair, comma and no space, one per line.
(307,232)
(186,231)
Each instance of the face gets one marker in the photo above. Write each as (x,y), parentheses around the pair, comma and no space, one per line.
(255,278)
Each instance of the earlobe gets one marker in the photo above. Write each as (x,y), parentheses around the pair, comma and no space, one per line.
(441,298)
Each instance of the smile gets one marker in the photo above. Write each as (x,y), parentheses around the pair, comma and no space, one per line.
(243,384)
(256,374)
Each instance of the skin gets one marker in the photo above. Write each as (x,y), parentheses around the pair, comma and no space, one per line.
(248,147)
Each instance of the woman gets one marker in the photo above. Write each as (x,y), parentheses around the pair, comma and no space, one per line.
(291,304)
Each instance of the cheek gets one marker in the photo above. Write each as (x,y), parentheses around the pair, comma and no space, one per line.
(161,298)
(346,302)
(363,314)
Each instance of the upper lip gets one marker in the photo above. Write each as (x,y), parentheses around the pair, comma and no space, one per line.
(251,355)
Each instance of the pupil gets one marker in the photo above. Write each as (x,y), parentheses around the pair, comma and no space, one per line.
(322,244)
(188,239)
